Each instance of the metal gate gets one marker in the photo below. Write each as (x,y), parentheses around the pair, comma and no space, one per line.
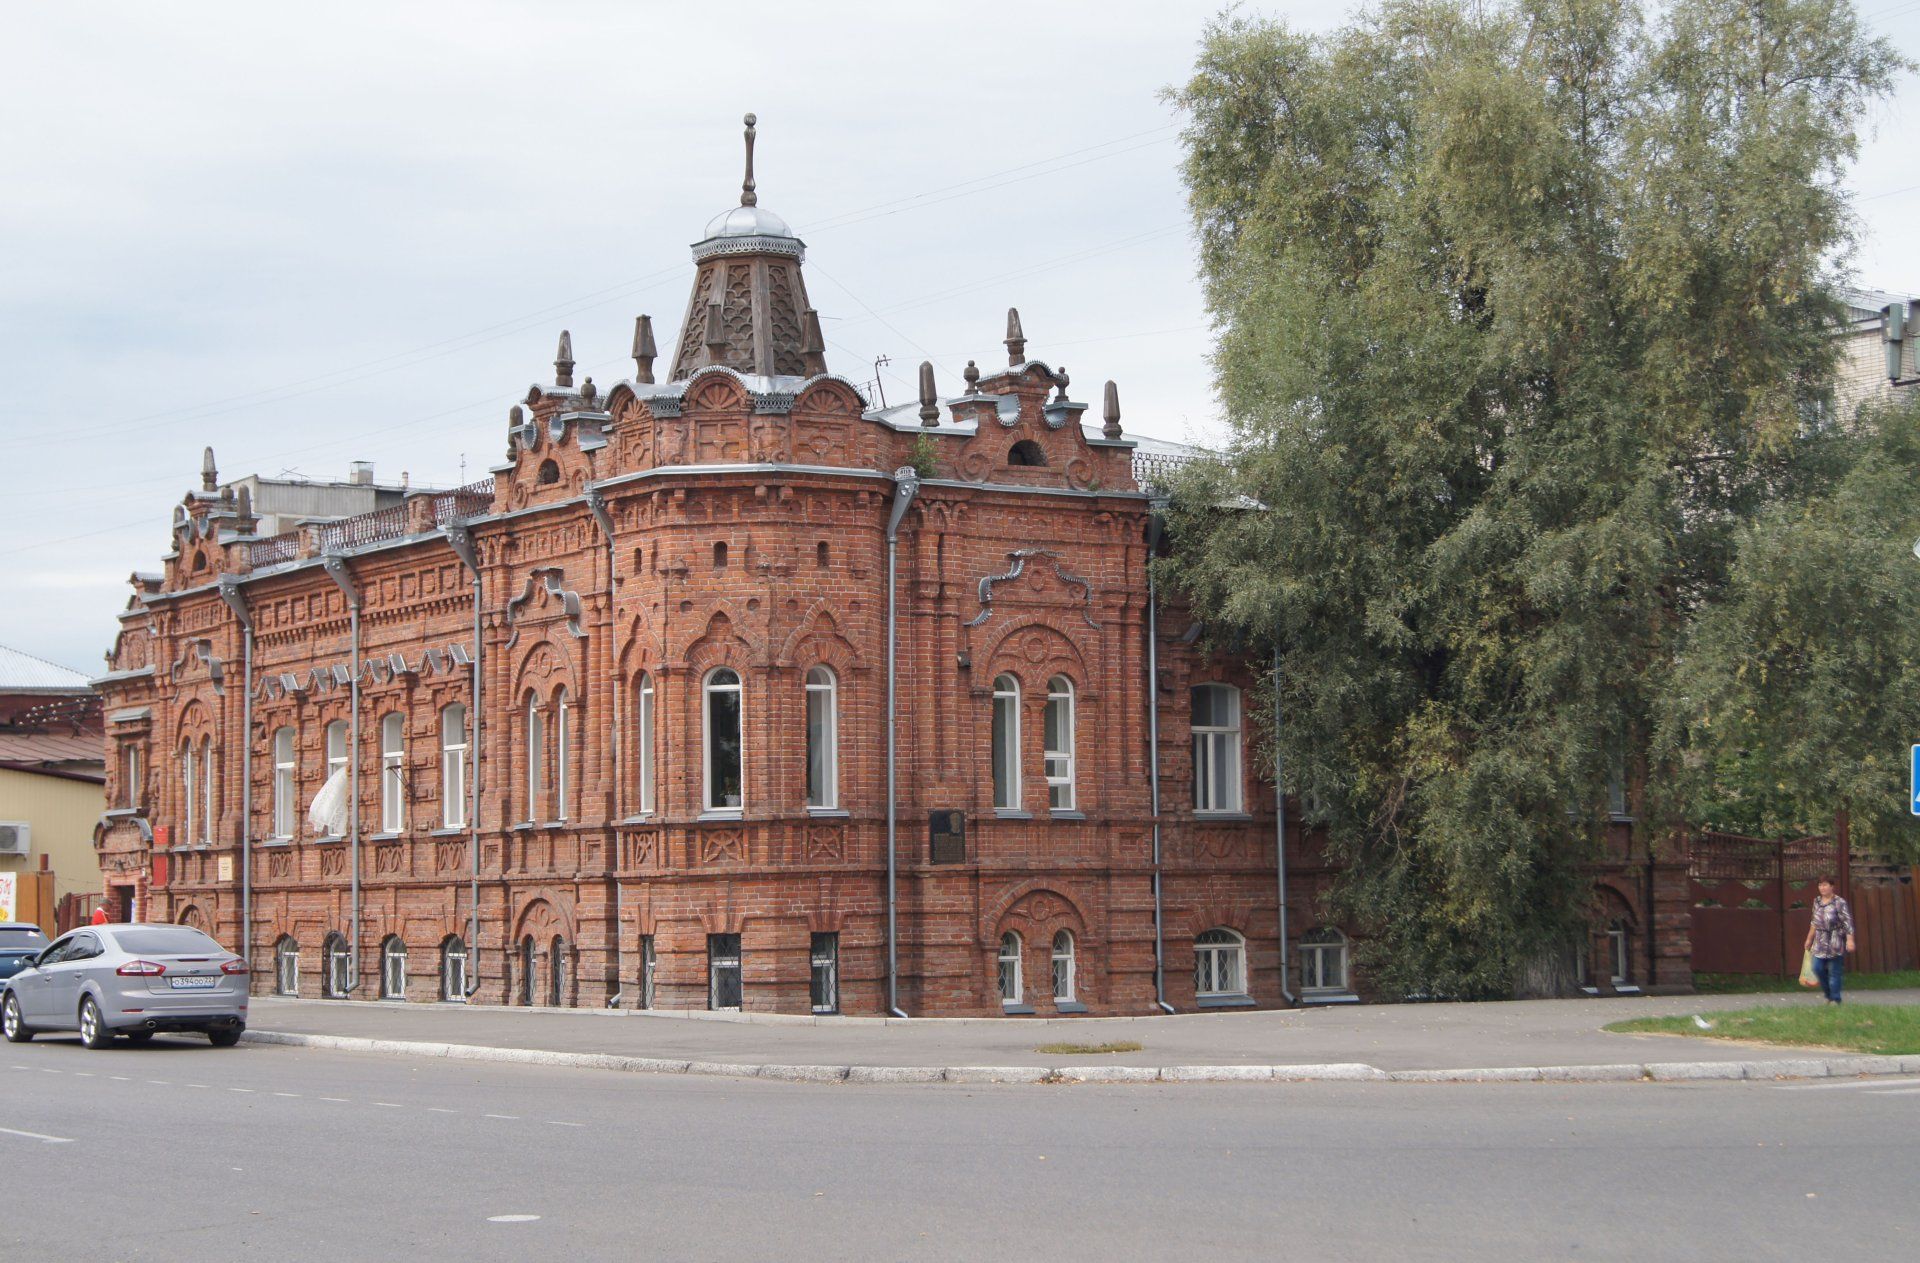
(1752,898)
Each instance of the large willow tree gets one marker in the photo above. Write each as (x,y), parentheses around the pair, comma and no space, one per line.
(1524,317)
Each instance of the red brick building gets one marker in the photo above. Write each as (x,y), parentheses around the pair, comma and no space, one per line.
(612,726)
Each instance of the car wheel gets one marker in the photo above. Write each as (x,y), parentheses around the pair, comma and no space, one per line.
(93,1026)
(226,1037)
(139,1037)
(16,1030)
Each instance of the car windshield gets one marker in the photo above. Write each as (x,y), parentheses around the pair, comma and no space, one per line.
(165,940)
(21,940)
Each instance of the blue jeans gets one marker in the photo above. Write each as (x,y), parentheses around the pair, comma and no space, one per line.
(1830,970)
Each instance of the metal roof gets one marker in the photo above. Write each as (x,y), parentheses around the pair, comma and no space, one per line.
(24,673)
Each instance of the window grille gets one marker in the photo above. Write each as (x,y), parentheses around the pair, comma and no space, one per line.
(1064,979)
(723,972)
(1220,964)
(393,969)
(1012,987)
(825,956)
(453,970)
(1323,961)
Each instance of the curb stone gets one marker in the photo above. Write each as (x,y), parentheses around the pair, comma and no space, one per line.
(1659,1072)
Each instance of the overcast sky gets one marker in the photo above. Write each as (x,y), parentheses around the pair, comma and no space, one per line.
(316,234)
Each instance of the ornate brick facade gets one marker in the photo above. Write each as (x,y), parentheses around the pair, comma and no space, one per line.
(636,547)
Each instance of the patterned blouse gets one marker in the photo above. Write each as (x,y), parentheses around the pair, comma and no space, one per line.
(1832,926)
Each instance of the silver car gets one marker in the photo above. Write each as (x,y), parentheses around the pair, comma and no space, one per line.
(131,980)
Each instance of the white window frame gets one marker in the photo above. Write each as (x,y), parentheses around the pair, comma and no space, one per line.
(130,775)
(393,982)
(286,966)
(454,963)
(1619,963)
(1219,963)
(536,756)
(823,975)
(1323,962)
(562,756)
(206,791)
(1009,977)
(337,754)
(189,792)
(709,688)
(823,693)
(1058,763)
(1218,746)
(336,960)
(453,766)
(1005,749)
(1066,981)
(286,791)
(393,772)
(643,738)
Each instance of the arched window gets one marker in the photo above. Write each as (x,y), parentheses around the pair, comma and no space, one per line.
(1026,452)
(453,766)
(536,756)
(286,966)
(393,968)
(189,794)
(643,741)
(1006,743)
(1618,958)
(1219,963)
(206,790)
(336,746)
(719,554)
(562,753)
(823,739)
(1063,966)
(1058,734)
(549,473)
(820,554)
(1323,961)
(1012,987)
(527,971)
(336,962)
(286,799)
(721,756)
(393,773)
(557,972)
(453,968)
(1216,748)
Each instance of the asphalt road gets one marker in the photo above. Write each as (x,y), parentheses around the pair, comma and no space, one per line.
(182,1151)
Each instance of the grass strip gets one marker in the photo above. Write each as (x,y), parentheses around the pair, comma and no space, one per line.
(1885,1029)
(1090,1050)
(1745,984)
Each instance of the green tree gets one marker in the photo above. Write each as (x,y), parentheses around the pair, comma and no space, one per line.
(1521,310)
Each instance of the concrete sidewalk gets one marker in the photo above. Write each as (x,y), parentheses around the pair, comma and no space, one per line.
(1525,1040)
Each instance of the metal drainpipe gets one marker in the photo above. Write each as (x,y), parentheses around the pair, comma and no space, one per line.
(906,485)
(230,592)
(598,504)
(460,539)
(1155,528)
(1280,823)
(336,568)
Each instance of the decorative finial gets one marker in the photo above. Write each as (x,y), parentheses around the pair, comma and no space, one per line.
(747,196)
(716,338)
(1061,379)
(1110,412)
(245,505)
(563,361)
(813,350)
(589,391)
(973,378)
(1016,339)
(929,399)
(643,349)
(516,416)
(209,476)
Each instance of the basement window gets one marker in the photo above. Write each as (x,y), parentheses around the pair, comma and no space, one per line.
(723,972)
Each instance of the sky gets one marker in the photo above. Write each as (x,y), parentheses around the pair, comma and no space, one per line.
(309,235)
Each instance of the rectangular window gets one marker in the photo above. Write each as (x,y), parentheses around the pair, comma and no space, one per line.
(643,739)
(393,784)
(723,741)
(453,766)
(646,971)
(1006,743)
(130,775)
(1216,748)
(562,756)
(822,739)
(206,792)
(285,800)
(1058,739)
(536,758)
(826,973)
(1617,953)
(189,791)
(723,972)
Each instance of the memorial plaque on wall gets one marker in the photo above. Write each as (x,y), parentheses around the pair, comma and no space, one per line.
(947,837)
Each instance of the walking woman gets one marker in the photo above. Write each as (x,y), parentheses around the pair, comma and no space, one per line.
(1830,938)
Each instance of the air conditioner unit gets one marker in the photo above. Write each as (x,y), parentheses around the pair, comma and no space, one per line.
(16,837)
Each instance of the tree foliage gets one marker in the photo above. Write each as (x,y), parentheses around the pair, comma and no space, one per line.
(1521,309)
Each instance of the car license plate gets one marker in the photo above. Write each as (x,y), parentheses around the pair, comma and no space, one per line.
(192,984)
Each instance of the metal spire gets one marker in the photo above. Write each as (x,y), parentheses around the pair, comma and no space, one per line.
(747,196)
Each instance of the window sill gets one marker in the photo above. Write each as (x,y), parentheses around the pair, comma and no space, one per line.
(121,813)
(522,827)
(829,813)
(1328,997)
(1005,813)
(331,838)
(1066,815)
(1223,1002)
(1069,1006)
(644,817)
(383,837)
(728,816)
(457,831)
(1015,1010)
(1222,817)
(1619,817)
(274,842)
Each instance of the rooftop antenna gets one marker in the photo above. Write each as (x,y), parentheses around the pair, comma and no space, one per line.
(879,387)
